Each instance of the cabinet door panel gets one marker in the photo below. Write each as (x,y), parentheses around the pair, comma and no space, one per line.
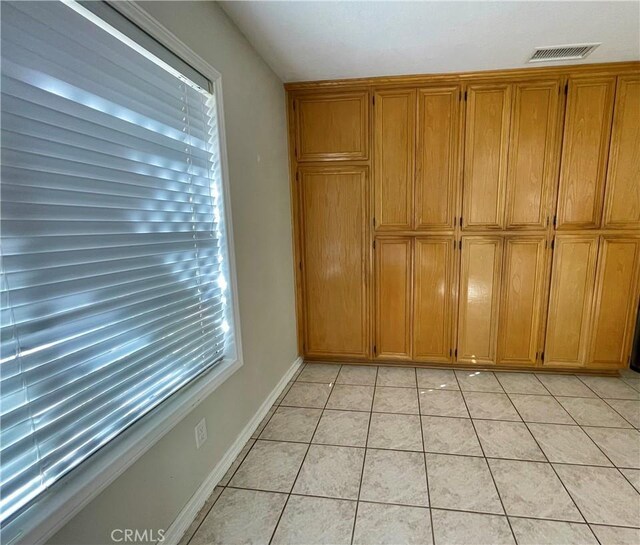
(522,290)
(585,149)
(394,158)
(334,228)
(615,301)
(486,143)
(572,279)
(532,154)
(433,298)
(393,296)
(622,200)
(332,127)
(479,289)
(437,157)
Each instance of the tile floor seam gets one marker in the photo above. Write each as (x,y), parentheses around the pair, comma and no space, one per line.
(424,458)
(575,503)
(618,412)
(364,461)
(513,534)
(293,484)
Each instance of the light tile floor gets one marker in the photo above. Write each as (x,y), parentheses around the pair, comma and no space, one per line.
(398,455)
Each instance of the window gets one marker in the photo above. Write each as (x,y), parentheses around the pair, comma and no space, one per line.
(115,272)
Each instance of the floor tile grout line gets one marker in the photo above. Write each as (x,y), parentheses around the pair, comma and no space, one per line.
(284,507)
(364,461)
(575,503)
(435,508)
(426,470)
(495,485)
(554,398)
(618,412)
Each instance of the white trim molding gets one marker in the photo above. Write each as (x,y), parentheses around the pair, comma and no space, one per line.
(188,514)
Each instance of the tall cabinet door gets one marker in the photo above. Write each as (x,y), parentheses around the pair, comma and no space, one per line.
(522,294)
(394,138)
(532,154)
(335,249)
(485,164)
(481,263)
(615,301)
(437,169)
(393,297)
(433,298)
(572,279)
(622,202)
(584,152)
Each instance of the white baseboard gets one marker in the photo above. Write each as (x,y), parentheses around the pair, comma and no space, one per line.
(189,512)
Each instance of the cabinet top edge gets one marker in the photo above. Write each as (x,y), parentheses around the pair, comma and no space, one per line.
(613,68)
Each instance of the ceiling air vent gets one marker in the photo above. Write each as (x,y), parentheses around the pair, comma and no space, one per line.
(570,52)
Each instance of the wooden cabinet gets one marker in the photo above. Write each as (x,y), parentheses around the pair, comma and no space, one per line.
(532,164)
(332,127)
(480,272)
(571,292)
(481,219)
(393,297)
(615,301)
(335,247)
(585,149)
(437,161)
(485,161)
(394,138)
(433,298)
(523,276)
(622,202)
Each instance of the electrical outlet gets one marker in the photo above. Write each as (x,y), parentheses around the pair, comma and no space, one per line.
(201,433)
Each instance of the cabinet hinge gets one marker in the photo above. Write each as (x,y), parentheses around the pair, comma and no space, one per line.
(542,357)
(373,100)
(460,221)
(460,245)
(455,352)
(555,220)
(297,176)
(465,95)
(374,222)
(375,350)
(566,88)
(553,244)
(374,244)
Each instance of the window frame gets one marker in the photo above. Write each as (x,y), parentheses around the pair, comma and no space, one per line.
(67,497)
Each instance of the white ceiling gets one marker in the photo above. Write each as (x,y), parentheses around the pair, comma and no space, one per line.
(326,40)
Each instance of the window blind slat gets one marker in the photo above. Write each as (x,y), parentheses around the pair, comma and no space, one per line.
(113,261)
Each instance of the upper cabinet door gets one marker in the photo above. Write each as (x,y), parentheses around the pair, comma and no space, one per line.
(433,298)
(585,149)
(393,298)
(522,293)
(437,164)
(572,278)
(622,202)
(485,163)
(332,127)
(480,272)
(335,248)
(532,154)
(394,137)
(615,301)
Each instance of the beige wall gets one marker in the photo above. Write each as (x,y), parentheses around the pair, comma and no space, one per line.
(152,492)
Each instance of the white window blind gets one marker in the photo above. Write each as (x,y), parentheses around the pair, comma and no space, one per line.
(113,276)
